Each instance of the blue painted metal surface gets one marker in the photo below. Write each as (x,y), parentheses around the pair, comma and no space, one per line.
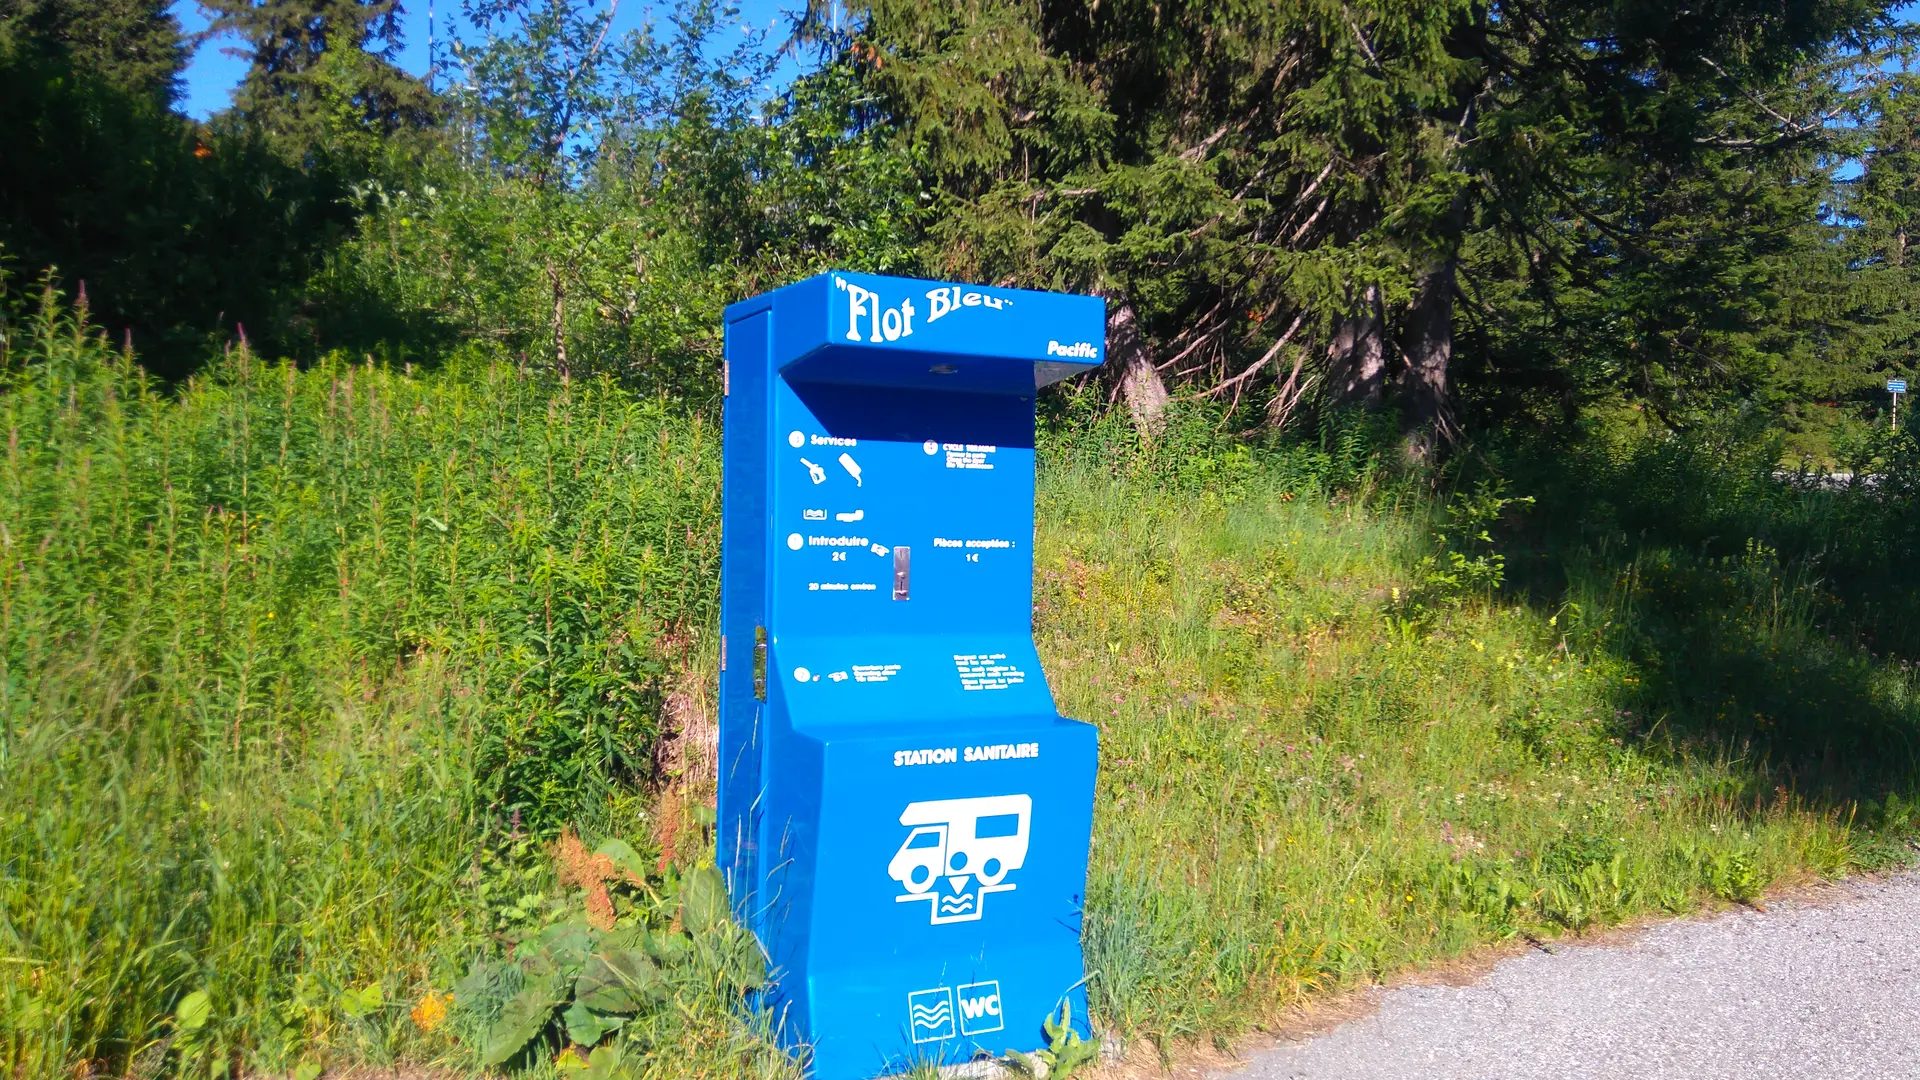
(904,814)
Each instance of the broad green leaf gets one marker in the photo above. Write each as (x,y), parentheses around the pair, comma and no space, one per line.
(561,949)
(486,989)
(750,971)
(735,955)
(623,856)
(703,901)
(586,1027)
(480,978)
(307,1070)
(522,1020)
(359,1003)
(669,949)
(192,1012)
(618,982)
(631,936)
(606,1063)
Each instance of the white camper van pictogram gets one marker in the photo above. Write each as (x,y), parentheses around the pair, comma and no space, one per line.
(960,841)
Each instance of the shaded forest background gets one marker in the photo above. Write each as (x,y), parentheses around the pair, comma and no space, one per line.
(1471,217)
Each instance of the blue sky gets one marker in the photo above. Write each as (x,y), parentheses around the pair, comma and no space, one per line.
(212,74)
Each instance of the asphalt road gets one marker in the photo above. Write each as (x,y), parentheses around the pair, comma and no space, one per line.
(1824,989)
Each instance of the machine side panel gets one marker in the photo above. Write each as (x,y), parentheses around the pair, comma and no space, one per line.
(790,845)
(743,604)
(803,320)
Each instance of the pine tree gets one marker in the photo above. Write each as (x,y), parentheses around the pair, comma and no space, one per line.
(178,231)
(1324,197)
(134,46)
(322,76)
(1220,173)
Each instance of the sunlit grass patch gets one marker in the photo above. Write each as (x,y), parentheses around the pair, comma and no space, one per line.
(1302,789)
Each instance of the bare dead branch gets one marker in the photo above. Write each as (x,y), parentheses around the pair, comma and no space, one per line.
(1307,224)
(1199,149)
(1066,193)
(1288,397)
(1188,351)
(1360,36)
(1241,379)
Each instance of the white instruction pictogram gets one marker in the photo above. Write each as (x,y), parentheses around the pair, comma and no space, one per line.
(960,850)
(930,1014)
(852,467)
(819,474)
(980,1008)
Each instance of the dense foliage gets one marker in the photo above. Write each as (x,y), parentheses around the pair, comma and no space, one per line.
(289,646)
(1472,215)
(1524,208)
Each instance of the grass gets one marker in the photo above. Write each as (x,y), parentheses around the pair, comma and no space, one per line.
(294,663)
(1342,738)
(300,671)
(1301,791)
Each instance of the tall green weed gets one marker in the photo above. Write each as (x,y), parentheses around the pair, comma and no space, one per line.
(280,654)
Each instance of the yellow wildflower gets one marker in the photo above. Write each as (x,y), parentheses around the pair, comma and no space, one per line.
(431,1011)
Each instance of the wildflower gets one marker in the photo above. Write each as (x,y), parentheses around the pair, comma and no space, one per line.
(431,1011)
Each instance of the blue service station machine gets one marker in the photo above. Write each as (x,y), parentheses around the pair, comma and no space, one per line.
(903,812)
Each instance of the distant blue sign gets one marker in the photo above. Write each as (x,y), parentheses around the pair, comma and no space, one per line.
(904,814)
(1897,386)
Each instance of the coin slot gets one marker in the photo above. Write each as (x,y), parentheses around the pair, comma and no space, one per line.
(902,573)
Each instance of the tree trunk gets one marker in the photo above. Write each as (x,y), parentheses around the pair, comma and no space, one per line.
(1357,357)
(559,324)
(1132,364)
(1427,410)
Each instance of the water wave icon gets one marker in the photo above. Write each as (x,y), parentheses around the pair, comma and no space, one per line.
(951,905)
(935,1016)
